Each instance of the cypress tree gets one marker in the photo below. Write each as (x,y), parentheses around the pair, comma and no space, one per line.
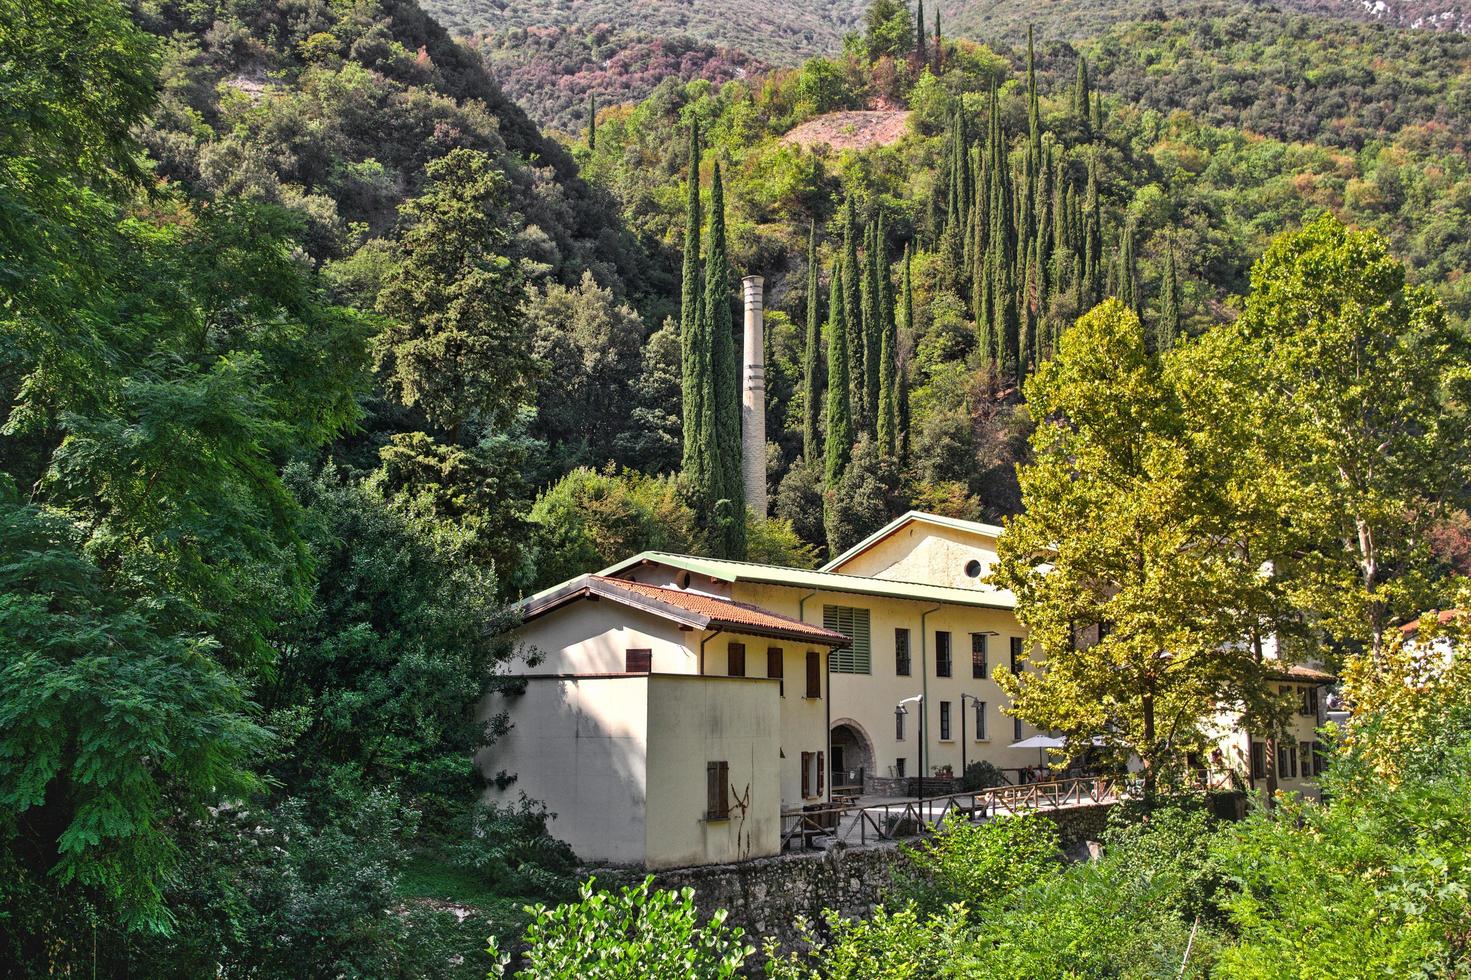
(903,385)
(1092,238)
(1098,112)
(1080,93)
(810,379)
(852,311)
(722,413)
(888,426)
(1169,305)
(692,345)
(867,383)
(921,55)
(839,416)
(1128,270)
(882,315)
(592,120)
(939,45)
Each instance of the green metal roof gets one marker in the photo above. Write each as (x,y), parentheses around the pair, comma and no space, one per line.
(801,578)
(954,523)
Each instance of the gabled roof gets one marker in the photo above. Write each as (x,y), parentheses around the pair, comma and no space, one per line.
(689,609)
(723,570)
(1443,617)
(903,520)
(1300,672)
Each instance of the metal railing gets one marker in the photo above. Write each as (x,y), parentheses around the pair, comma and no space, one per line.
(862,823)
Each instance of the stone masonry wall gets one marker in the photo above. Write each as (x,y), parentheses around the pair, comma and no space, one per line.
(766,896)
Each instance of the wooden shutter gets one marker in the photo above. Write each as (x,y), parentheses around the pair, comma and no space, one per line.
(806,778)
(774,668)
(638,661)
(814,674)
(717,790)
(735,660)
(820,773)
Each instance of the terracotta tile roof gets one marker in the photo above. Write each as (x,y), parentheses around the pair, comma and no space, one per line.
(728,614)
(1298,672)
(1443,617)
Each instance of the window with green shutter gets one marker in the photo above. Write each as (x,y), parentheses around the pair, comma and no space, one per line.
(852,623)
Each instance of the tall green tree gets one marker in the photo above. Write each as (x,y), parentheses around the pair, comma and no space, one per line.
(455,346)
(691,321)
(811,363)
(1168,327)
(888,407)
(1108,507)
(853,316)
(839,447)
(592,120)
(722,397)
(1369,383)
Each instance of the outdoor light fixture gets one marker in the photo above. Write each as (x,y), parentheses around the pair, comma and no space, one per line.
(900,711)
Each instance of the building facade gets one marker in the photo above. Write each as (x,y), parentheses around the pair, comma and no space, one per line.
(675,706)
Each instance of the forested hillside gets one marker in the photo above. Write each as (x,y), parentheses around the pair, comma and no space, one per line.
(315,352)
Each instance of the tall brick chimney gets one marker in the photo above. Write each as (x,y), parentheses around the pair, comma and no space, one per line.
(753,399)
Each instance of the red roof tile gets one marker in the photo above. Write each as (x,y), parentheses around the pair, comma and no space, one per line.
(727,613)
(1443,617)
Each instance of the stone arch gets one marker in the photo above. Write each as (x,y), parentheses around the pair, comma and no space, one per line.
(853,754)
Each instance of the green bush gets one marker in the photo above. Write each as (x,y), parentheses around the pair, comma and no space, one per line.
(980,863)
(638,931)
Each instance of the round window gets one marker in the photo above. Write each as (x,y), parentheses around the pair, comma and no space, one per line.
(684,580)
(973,568)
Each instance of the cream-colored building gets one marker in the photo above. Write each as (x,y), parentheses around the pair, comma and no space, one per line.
(663,727)
(876,668)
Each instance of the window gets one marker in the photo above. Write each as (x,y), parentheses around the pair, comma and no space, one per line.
(814,674)
(944,721)
(812,773)
(1320,761)
(1258,760)
(980,721)
(899,767)
(978,655)
(852,623)
(638,661)
(1286,761)
(973,569)
(717,790)
(942,653)
(1016,729)
(899,717)
(1016,654)
(1313,701)
(901,652)
(775,669)
(735,660)
(1305,758)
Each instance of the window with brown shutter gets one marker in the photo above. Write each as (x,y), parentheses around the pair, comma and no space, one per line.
(820,773)
(814,674)
(806,773)
(775,669)
(717,790)
(735,660)
(638,661)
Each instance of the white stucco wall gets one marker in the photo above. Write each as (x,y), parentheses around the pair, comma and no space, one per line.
(929,553)
(580,746)
(694,721)
(585,637)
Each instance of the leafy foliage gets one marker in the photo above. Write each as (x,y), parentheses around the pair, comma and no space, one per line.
(638,931)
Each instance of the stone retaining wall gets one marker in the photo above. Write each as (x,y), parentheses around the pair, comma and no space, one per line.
(766,896)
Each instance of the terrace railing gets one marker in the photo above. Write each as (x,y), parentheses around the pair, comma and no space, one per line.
(872,822)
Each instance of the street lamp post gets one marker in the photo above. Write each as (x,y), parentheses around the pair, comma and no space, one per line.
(900,710)
(973,700)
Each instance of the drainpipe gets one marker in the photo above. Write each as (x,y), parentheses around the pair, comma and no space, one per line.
(924,689)
(827,703)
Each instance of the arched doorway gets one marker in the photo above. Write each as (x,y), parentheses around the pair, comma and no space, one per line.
(853,756)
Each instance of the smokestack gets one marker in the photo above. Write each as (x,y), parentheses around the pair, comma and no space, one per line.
(753,400)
